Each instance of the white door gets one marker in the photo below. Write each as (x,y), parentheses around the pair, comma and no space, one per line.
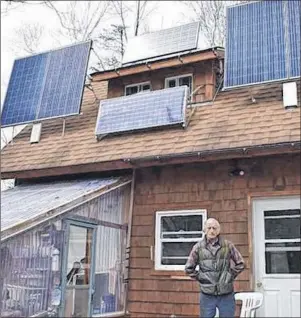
(276,237)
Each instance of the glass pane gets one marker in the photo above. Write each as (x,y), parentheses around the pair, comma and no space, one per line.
(282,228)
(184,223)
(78,271)
(286,262)
(109,269)
(172,83)
(146,87)
(185,81)
(175,253)
(131,90)
(282,212)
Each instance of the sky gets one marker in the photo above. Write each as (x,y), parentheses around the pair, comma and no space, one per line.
(34,13)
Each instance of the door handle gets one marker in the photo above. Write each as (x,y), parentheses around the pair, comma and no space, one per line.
(259,284)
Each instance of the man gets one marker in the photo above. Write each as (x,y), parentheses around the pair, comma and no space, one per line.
(219,264)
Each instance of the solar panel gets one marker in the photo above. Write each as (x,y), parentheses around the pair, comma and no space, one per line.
(167,41)
(294,25)
(257,45)
(46,85)
(143,110)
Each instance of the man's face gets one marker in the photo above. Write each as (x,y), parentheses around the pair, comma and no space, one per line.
(212,229)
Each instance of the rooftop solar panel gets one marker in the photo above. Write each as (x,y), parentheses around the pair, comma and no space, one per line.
(46,85)
(143,110)
(294,26)
(167,41)
(257,45)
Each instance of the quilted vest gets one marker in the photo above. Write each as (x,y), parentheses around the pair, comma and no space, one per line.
(214,274)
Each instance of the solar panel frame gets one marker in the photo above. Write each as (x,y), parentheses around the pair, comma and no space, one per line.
(287,61)
(159,37)
(47,55)
(142,95)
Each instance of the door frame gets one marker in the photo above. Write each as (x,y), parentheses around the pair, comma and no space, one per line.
(252,196)
(66,226)
(257,267)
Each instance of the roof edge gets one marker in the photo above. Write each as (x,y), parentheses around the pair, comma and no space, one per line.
(160,160)
(149,65)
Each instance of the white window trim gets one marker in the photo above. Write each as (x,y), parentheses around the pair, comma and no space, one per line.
(177,79)
(158,240)
(137,84)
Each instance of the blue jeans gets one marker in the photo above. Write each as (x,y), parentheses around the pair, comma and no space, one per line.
(224,303)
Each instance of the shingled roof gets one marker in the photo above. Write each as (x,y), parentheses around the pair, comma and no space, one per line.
(232,125)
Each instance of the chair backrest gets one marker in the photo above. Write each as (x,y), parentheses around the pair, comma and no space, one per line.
(250,302)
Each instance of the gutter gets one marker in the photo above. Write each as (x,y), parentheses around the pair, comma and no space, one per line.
(206,153)
(127,163)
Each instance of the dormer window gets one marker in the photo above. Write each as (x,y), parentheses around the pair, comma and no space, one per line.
(179,81)
(137,88)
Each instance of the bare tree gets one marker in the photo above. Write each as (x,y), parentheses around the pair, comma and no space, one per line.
(9,5)
(28,37)
(80,20)
(212,17)
(115,37)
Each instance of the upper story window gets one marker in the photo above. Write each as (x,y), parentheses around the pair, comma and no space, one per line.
(176,233)
(137,88)
(179,81)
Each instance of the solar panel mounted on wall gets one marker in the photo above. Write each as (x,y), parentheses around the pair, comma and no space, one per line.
(294,25)
(257,43)
(167,41)
(141,111)
(46,85)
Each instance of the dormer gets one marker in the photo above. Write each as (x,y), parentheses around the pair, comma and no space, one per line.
(193,64)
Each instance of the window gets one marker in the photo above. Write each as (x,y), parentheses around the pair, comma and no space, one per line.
(179,81)
(282,241)
(176,233)
(137,88)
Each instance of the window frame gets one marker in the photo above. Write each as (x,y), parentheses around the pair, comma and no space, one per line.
(177,80)
(158,239)
(138,85)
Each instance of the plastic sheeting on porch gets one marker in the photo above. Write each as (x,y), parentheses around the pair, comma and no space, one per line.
(39,249)
(25,204)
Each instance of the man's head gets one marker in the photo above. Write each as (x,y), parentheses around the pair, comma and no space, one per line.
(212,228)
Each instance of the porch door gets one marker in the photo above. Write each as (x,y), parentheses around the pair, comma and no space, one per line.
(79,268)
(276,237)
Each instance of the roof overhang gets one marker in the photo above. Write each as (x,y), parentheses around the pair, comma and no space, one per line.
(161,160)
(28,205)
(146,66)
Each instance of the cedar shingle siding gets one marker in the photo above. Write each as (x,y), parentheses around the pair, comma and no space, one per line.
(196,186)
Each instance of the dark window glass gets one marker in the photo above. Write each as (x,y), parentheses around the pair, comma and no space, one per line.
(182,223)
(285,262)
(284,228)
(172,83)
(146,87)
(282,212)
(185,81)
(131,90)
(176,253)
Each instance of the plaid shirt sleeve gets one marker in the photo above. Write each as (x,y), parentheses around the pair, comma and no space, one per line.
(239,264)
(192,262)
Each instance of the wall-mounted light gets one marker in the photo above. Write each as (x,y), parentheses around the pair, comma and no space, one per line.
(236,172)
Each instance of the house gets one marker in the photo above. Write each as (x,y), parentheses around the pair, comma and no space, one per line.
(131,205)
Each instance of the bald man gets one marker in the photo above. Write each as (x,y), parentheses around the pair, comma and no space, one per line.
(219,264)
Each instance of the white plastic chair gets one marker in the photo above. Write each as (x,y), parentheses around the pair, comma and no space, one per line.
(250,302)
